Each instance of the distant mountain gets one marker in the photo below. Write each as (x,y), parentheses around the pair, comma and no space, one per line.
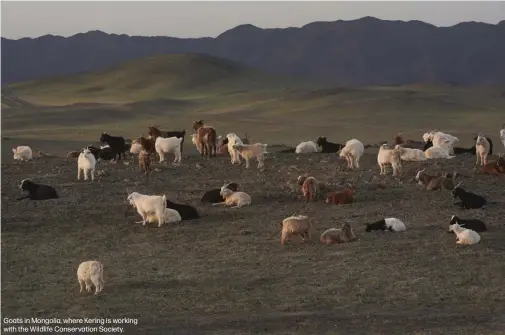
(367,51)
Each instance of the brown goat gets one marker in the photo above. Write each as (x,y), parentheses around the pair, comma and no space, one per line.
(399,140)
(206,138)
(145,162)
(147,144)
(322,188)
(342,235)
(496,167)
(434,183)
(155,132)
(309,189)
(346,196)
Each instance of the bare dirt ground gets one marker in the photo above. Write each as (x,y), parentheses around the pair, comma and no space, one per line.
(226,273)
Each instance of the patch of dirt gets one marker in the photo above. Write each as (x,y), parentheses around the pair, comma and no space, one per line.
(226,273)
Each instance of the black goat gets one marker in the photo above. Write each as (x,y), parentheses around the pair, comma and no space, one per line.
(37,191)
(473,224)
(213,196)
(428,145)
(490,145)
(459,150)
(327,147)
(105,154)
(469,200)
(187,212)
(116,143)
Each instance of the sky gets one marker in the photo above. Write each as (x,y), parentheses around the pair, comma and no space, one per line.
(211,18)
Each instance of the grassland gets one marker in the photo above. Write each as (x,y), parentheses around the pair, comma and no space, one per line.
(226,273)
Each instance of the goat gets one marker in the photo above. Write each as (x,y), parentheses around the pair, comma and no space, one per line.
(437,152)
(322,188)
(464,236)
(462,151)
(473,224)
(105,154)
(342,235)
(295,225)
(352,152)
(306,147)
(433,183)
(496,167)
(231,140)
(22,153)
(309,188)
(213,196)
(155,132)
(136,147)
(206,138)
(328,147)
(409,144)
(502,134)
(86,162)
(482,148)
(144,162)
(490,144)
(187,212)
(169,145)
(469,200)
(238,199)
(390,224)
(149,144)
(408,154)
(386,157)
(248,151)
(170,215)
(440,139)
(346,196)
(89,274)
(116,143)
(37,191)
(146,204)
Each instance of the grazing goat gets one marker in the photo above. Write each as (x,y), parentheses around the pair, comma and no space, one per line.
(440,139)
(213,196)
(352,152)
(389,224)
(342,235)
(169,145)
(322,188)
(116,143)
(482,148)
(410,144)
(502,134)
(328,147)
(206,138)
(410,155)
(144,162)
(309,188)
(433,183)
(22,153)
(248,151)
(170,215)
(154,132)
(464,236)
(473,224)
(89,274)
(295,225)
(469,200)
(146,204)
(86,162)
(437,152)
(496,167)
(187,212)
(37,191)
(389,157)
(306,148)
(238,199)
(346,196)
(231,140)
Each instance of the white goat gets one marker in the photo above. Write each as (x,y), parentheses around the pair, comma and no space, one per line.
(394,224)
(440,139)
(482,147)
(386,157)
(169,145)
(502,134)
(306,147)
(464,235)
(352,152)
(87,163)
(234,154)
(412,155)
(248,151)
(171,216)
(437,152)
(90,273)
(238,199)
(146,204)
(22,153)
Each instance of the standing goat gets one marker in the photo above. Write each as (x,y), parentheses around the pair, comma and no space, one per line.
(248,151)
(206,137)
(309,188)
(482,147)
(144,162)
(146,204)
(389,157)
(169,145)
(469,200)
(296,225)
(86,162)
(502,134)
(90,274)
(440,139)
(154,132)
(116,143)
(352,152)
(231,140)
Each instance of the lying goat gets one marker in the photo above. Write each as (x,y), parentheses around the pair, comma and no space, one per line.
(238,199)
(37,191)
(473,224)
(213,196)
(187,212)
(469,200)
(433,183)
(496,167)
(346,196)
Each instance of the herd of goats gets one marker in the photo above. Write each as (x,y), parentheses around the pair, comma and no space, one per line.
(155,208)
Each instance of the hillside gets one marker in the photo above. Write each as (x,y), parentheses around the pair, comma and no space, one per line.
(367,51)
(151,78)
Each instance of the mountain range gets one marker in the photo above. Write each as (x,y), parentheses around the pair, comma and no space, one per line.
(366,51)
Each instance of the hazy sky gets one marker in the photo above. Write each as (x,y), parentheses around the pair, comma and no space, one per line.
(199,19)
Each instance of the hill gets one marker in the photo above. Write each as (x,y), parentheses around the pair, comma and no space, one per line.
(367,51)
